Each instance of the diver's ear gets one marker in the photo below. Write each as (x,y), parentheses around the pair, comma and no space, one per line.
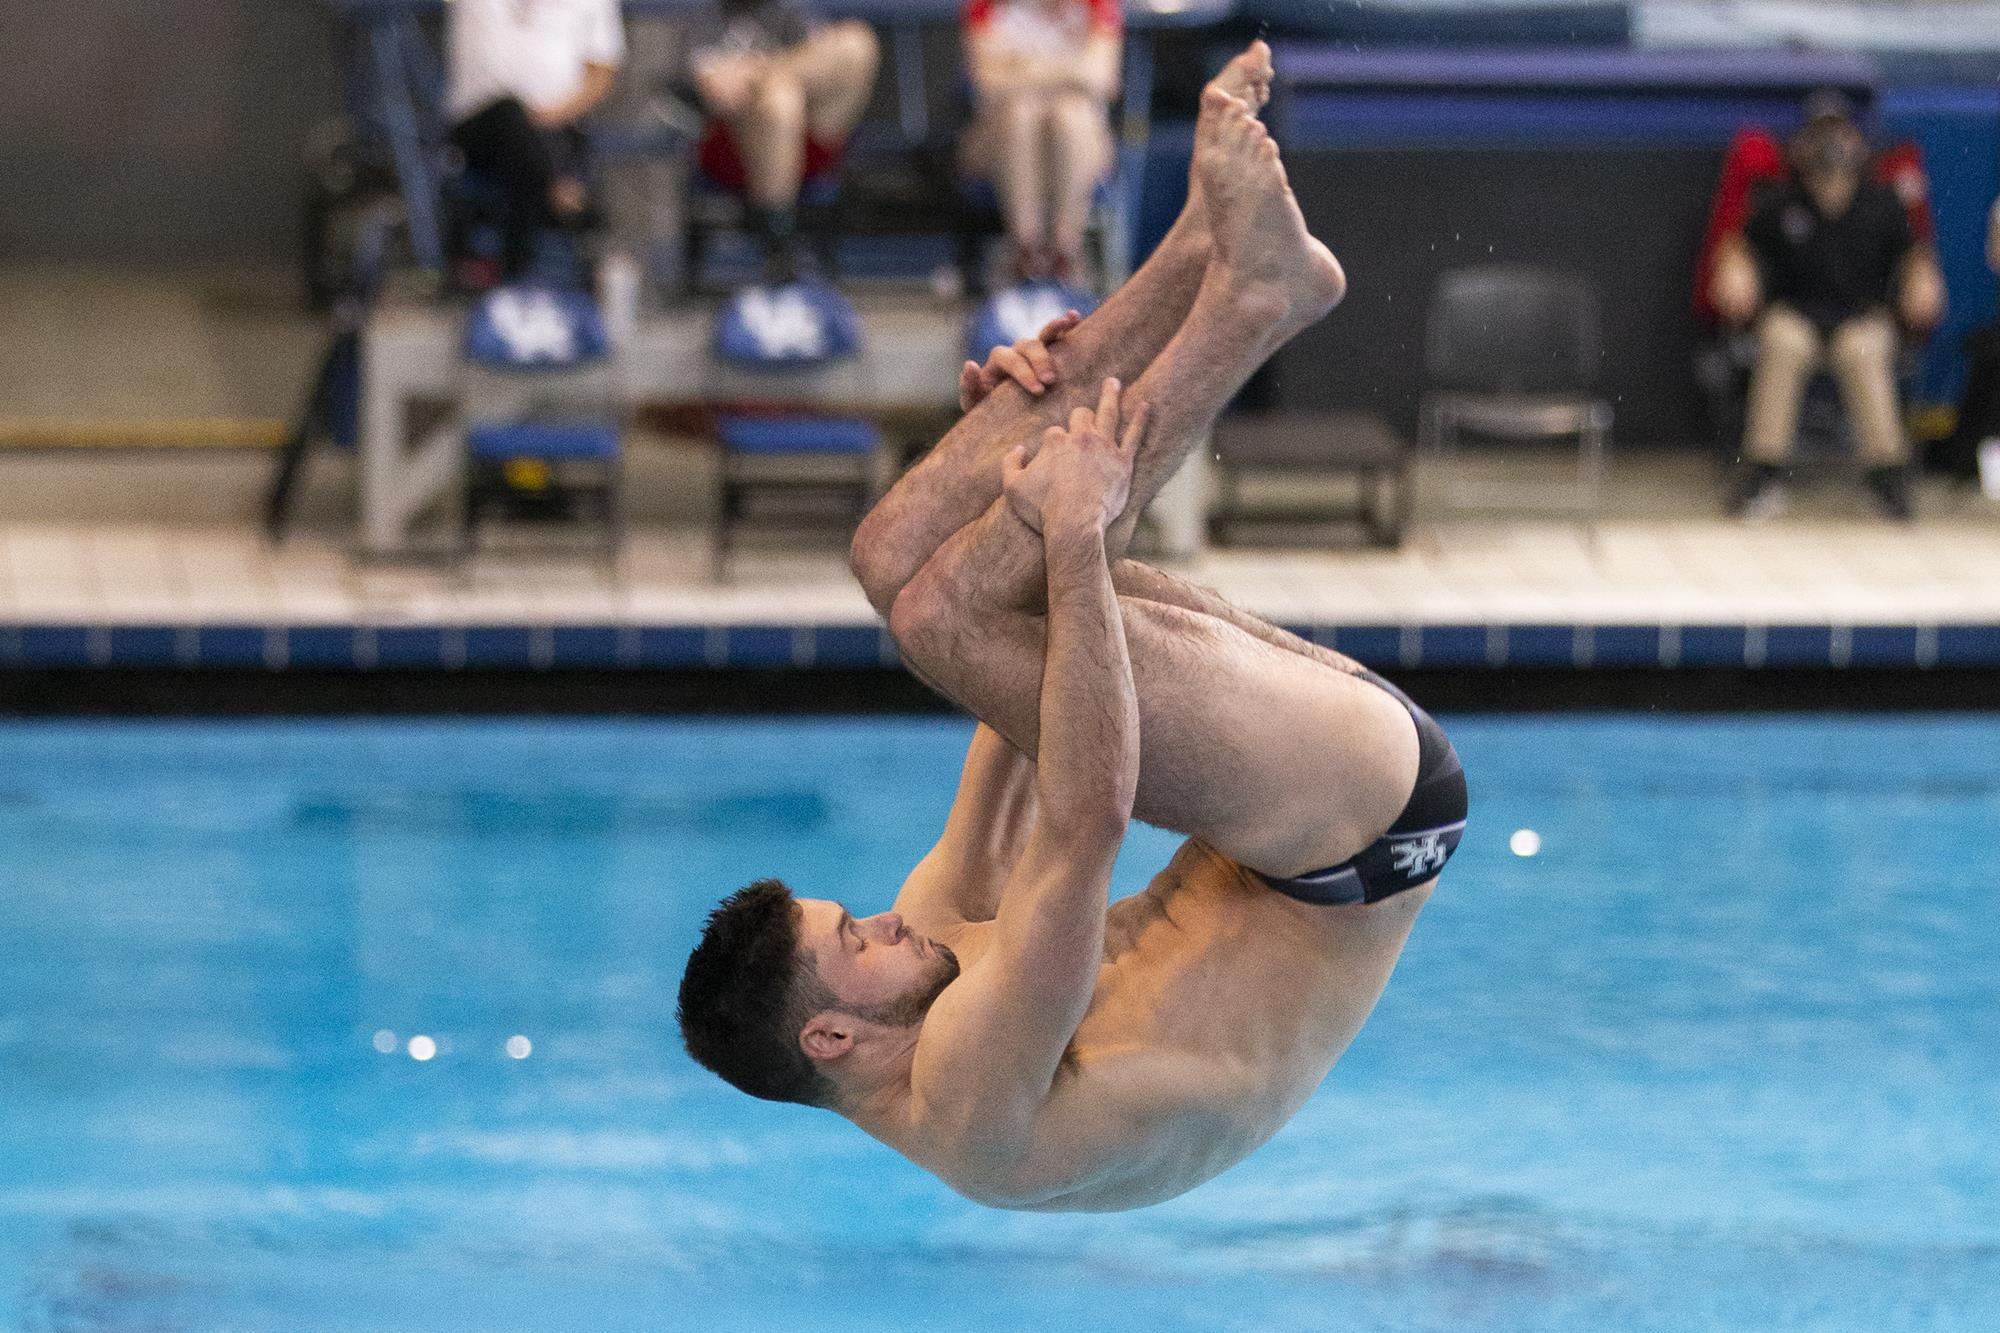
(826,1036)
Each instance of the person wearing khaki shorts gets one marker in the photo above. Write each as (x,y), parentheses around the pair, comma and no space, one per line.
(1823,271)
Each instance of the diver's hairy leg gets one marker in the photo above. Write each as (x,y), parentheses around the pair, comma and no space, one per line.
(953,484)
(1267,279)
(1252,746)
(1148,583)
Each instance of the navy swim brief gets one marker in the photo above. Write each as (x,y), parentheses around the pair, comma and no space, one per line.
(1420,841)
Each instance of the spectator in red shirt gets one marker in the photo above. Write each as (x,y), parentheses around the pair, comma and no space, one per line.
(1043,76)
(1826,267)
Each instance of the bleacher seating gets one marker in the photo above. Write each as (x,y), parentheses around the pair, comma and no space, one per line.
(543,414)
(785,459)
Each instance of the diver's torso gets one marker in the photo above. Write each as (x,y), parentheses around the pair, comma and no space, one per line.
(1219,1008)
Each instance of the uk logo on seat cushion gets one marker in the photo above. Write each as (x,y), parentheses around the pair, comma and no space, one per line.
(1021,312)
(797,324)
(527,326)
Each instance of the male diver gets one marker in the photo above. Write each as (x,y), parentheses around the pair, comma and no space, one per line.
(1003,1026)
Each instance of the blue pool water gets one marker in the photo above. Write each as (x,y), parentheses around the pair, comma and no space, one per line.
(1722,1056)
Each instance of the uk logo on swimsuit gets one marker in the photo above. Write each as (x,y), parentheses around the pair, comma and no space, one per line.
(1420,855)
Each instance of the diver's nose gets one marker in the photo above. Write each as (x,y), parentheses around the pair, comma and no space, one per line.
(895,924)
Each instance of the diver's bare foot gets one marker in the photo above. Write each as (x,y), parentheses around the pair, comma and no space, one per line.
(1273,267)
(1247,77)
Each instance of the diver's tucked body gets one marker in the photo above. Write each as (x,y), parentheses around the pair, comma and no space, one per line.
(1004,1025)
(1218,1009)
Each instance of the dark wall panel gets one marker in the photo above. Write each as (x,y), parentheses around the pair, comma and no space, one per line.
(158,131)
(1630,219)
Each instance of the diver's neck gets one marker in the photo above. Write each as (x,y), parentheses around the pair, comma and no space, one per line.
(878,1100)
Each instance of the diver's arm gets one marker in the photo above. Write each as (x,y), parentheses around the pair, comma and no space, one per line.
(1011,1017)
(991,816)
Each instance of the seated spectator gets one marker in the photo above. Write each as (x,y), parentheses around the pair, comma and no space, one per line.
(1043,76)
(1826,266)
(784,93)
(523,74)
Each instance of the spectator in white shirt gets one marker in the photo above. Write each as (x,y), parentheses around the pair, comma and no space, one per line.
(523,74)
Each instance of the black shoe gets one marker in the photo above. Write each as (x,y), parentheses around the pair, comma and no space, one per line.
(1759,493)
(781,265)
(777,230)
(1889,487)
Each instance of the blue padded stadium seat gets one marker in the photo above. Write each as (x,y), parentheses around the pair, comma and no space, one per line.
(798,435)
(1020,312)
(531,327)
(790,326)
(802,458)
(819,469)
(549,441)
(543,411)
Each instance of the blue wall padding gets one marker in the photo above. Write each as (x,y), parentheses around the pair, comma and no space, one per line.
(1959,131)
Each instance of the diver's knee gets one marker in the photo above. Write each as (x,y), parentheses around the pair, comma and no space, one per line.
(873,559)
(916,612)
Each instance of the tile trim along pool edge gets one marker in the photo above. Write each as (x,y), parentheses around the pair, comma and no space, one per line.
(522,646)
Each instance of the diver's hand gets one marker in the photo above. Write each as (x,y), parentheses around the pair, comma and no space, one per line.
(1080,474)
(1026,362)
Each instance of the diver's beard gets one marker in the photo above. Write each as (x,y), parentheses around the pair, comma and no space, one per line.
(909,1010)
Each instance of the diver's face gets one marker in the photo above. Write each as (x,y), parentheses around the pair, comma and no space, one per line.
(878,967)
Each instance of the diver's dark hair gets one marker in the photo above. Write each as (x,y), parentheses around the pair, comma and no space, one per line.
(748,991)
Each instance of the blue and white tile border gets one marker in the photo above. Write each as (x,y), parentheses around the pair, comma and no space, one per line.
(455,647)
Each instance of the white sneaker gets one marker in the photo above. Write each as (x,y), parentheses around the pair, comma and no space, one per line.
(1768,502)
(1758,495)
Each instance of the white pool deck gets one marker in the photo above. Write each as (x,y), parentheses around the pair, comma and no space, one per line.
(166,561)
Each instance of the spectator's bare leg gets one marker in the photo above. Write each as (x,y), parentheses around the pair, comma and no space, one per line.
(1788,347)
(1863,355)
(960,478)
(1079,156)
(1016,129)
(836,68)
(771,135)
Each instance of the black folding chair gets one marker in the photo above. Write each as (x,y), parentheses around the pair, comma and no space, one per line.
(1512,353)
